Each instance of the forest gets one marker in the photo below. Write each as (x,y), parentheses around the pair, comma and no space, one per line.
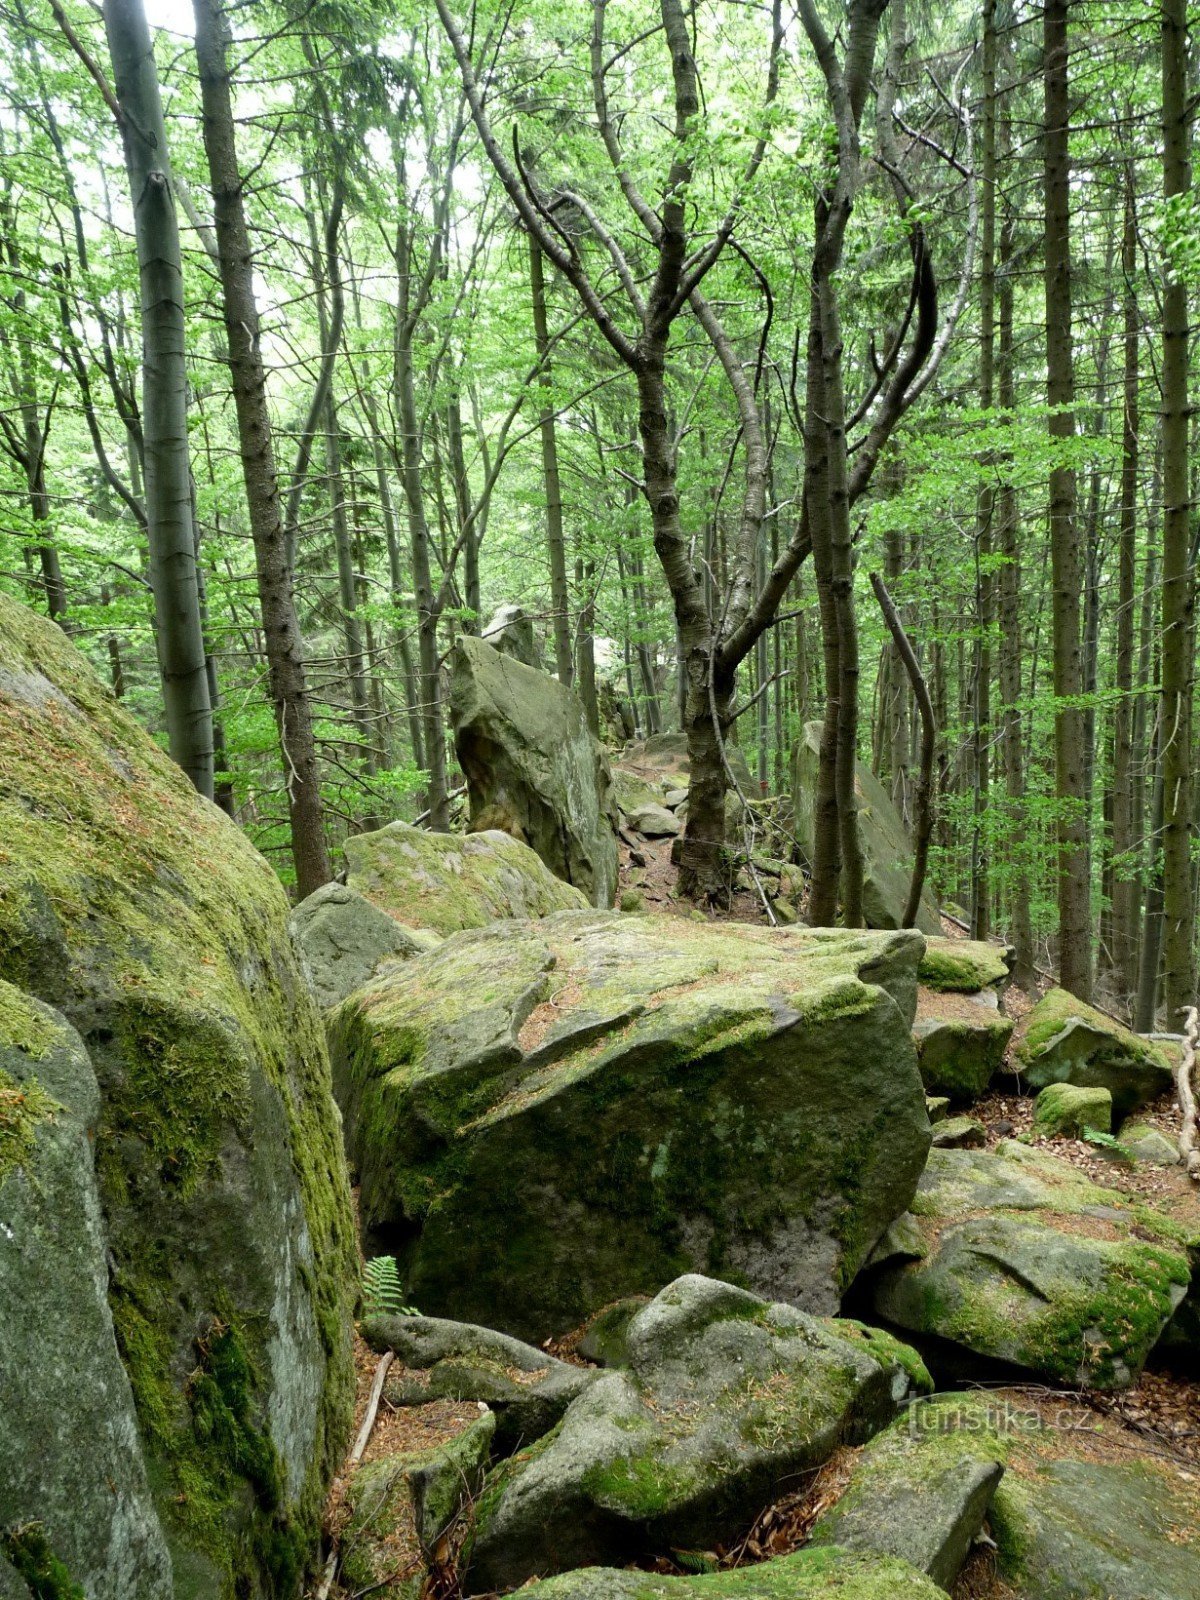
(561,560)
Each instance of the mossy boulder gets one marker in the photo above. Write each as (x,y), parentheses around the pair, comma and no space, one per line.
(605,1338)
(1066,1110)
(525,1388)
(1024,1261)
(511,632)
(959,1133)
(653,821)
(1148,1145)
(963,966)
(444,882)
(144,915)
(1065,1041)
(958,1054)
(886,847)
(663,759)
(344,939)
(71,1457)
(529,758)
(547,1116)
(920,1490)
(806,1575)
(724,1397)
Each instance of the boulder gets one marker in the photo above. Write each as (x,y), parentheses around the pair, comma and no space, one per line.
(144,915)
(1148,1144)
(632,791)
(886,848)
(920,1490)
(938,1107)
(605,1335)
(529,757)
(959,1133)
(665,756)
(806,1575)
(964,966)
(653,821)
(444,882)
(1065,1041)
(527,1389)
(959,1052)
(511,633)
(72,1460)
(725,1396)
(627,1096)
(1063,1109)
(344,939)
(1017,1258)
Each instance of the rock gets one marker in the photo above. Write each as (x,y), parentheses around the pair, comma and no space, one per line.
(525,748)
(674,798)
(445,882)
(617,723)
(632,791)
(938,1107)
(1066,1110)
(959,1133)
(344,939)
(72,1458)
(806,1575)
(605,1339)
(958,1055)
(964,966)
(724,1397)
(653,822)
(402,1505)
(1066,1041)
(527,1389)
(511,633)
(665,755)
(920,1490)
(1148,1144)
(627,1096)
(785,912)
(886,847)
(1024,1261)
(145,916)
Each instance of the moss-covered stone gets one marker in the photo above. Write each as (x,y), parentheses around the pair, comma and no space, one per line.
(724,1397)
(959,1133)
(958,1056)
(144,915)
(843,1574)
(1065,1041)
(445,882)
(1024,1261)
(963,966)
(625,1097)
(1067,1110)
(344,939)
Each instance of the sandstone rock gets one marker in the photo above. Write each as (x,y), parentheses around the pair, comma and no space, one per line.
(525,748)
(963,966)
(145,916)
(443,882)
(938,1107)
(886,847)
(724,1397)
(850,1575)
(605,1338)
(344,939)
(959,1133)
(653,821)
(1063,1108)
(1066,1041)
(511,633)
(626,1096)
(958,1055)
(665,755)
(1079,1301)
(1149,1144)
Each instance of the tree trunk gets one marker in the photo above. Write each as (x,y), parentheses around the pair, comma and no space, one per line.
(560,602)
(168,497)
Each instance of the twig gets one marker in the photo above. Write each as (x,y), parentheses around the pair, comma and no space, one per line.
(356,1455)
(1187,1098)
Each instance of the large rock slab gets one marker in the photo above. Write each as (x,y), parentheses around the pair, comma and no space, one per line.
(547,1116)
(807,1575)
(533,766)
(1066,1041)
(344,939)
(886,848)
(444,882)
(964,966)
(1015,1257)
(724,1397)
(961,1040)
(144,915)
(72,1458)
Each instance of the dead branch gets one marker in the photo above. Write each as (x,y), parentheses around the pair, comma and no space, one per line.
(1187,1098)
(355,1456)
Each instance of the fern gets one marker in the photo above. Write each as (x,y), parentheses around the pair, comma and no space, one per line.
(383,1293)
(1107,1142)
(697,1561)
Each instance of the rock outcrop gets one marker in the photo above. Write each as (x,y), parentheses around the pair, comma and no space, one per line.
(807,1575)
(344,939)
(1066,1041)
(724,1397)
(533,767)
(142,914)
(444,882)
(511,633)
(626,1097)
(886,848)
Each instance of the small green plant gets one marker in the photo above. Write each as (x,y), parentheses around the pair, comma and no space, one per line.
(383,1293)
(1107,1142)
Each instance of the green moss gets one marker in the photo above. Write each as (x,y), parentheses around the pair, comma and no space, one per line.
(1056,1008)
(963,966)
(643,1487)
(886,1348)
(22,1107)
(24,1026)
(31,1553)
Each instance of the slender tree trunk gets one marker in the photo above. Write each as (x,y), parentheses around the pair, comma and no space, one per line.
(281,629)
(168,498)
(1074,885)
(560,602)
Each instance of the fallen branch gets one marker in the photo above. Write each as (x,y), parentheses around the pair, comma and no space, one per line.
(355,1456)
(1187,1097)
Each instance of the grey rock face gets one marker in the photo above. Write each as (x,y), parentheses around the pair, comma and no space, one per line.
(344,940)
(511,633)
(653,821)
(724,1397)
(958,1055)
(69,1446)
(533,767)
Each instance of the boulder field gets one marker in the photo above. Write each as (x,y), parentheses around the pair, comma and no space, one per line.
(625,1098)
(177,1253)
